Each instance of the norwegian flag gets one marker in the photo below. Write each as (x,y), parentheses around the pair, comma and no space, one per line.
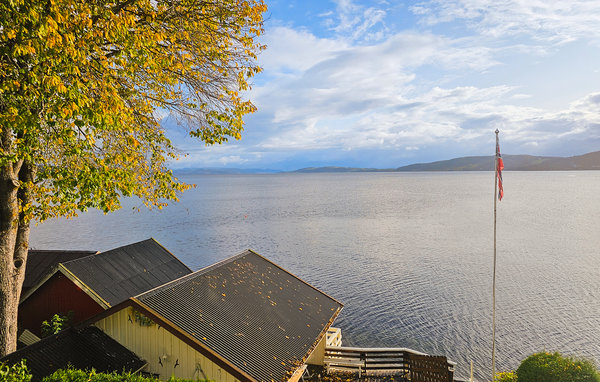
(499,168)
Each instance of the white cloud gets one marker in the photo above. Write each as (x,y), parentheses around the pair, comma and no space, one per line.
(357,22)
(355,80)
(291,51)
(232,159)
(371,88)
(555,21)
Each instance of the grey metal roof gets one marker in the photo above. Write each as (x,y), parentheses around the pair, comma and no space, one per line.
(82,348)
(42,262)
(253,313)
(127,271)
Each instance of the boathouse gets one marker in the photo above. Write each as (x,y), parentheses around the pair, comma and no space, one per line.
(242,319)
(86,286)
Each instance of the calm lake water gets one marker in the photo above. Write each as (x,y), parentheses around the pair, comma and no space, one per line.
(408,254)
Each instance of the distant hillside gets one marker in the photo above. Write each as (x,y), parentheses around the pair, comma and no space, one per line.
(590,161)
(339,169)
(223,171)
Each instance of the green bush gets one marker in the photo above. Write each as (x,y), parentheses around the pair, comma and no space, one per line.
(506,377)
(553,367)
(56,323)
(75,375)
(15,373)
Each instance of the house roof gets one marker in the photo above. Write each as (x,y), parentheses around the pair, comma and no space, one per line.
(82,348)
(249,311)
(113,276)
(41,262)
(126,271)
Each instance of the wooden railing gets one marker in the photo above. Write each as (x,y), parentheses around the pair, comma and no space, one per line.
(412,365)
(334,337)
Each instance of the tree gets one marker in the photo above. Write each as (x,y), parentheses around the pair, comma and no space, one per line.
(81,83)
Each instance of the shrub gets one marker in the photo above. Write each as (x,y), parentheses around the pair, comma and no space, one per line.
(553,367)
(75,375)
(57,323)
(15,373)
(506,377)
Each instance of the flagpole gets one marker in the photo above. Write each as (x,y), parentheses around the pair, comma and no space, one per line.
(494,273)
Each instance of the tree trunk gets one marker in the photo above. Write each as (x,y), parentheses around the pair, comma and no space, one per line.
(14,243)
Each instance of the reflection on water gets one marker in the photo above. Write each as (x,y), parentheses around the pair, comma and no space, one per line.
(409,255)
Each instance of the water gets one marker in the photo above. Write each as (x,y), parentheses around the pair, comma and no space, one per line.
(408,254)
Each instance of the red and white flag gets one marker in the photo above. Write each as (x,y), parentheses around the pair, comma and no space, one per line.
(499,168)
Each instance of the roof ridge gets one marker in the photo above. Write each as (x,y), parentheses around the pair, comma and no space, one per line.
(127,270)
(114,249)
(169,252)
(206,269)
(200,271)
(91,251)
(293,275)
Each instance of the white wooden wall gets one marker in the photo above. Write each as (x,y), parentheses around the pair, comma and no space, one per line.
(152,343)
(317,357)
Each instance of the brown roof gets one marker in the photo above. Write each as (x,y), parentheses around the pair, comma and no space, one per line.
(249,311)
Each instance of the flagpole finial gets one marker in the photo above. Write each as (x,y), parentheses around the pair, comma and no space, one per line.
(497,131)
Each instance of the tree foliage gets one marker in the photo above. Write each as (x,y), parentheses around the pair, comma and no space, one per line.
(82,81)
(81,85)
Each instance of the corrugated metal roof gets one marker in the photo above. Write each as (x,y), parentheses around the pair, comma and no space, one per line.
(126,271)
(42,262)
(248,310)
(82,348)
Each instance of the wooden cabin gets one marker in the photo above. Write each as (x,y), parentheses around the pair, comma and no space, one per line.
(86,286)
(243,319)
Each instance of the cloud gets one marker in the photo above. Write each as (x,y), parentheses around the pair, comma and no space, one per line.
(232,159)
(554,21)
(347,83)
(370,95)
(358,22)
(291,51)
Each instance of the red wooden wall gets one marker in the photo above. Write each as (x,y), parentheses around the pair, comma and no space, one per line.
(57,295)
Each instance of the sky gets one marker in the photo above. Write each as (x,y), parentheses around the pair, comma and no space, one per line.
(387,83)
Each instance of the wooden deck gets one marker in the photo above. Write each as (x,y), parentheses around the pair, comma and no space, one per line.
(383,364)
(348,364)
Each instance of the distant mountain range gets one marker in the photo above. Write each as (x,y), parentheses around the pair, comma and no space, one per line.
(341,169)
(223,171)
(590,161)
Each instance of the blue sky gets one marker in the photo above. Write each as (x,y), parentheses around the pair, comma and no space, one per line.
(389,83)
